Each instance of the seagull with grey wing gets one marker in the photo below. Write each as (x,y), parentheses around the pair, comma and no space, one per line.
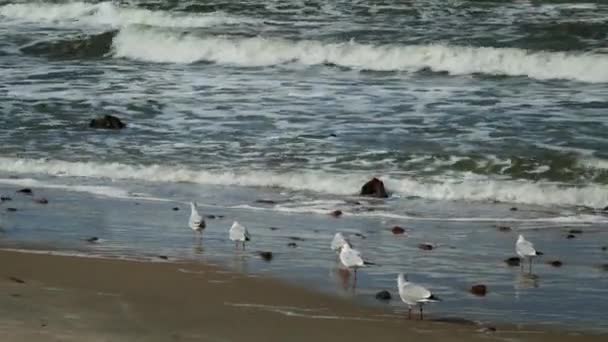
(414,294)
(351,259)
(238,233)
(196,222)
(525,249)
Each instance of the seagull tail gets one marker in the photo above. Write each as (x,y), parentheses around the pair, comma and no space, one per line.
(369,263)
(539,253)
(434,298)
(247,238)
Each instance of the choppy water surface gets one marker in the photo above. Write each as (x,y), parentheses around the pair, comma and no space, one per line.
(464,108)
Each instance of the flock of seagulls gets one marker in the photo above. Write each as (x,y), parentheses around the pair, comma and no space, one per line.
(412,294)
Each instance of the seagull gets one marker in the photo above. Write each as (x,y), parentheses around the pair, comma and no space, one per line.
(414,294)
(196,221)
(338,242)
(238,232)
(351,258)
(525,250)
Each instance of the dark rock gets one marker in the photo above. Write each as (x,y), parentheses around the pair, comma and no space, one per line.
(93,239)
(504,228)
(570,236)
(292,245)
(210,216)
(374,188)
(555,263)
(479,290)
(175,208)
(107,122)
(513,261)
(11,209)
(397,230)
(25,191)
(513,209)
(605,208)
(41,201)
(336,213)
(383,295)
(265,201)
(604,267)
(575,231)
(488,329)
(605,248)
(266,255)
(15,295)
(164,257)
(295,238)
(426,246)
(273,228)
(17,280)
(220,216)
(359,235)
(5,198)
(454,320)
(333,135)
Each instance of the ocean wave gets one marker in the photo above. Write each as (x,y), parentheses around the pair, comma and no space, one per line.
(473,188)
(109,14)
(153,45)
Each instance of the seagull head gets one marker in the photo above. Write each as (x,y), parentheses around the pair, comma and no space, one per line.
(520,238)
(402,277)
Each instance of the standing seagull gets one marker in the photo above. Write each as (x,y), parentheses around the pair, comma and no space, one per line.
(238,232)
(351,258)
(338,242)
(413,294)
(196,221)
(525,250)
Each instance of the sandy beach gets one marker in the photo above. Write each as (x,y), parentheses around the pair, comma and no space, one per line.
(46,297)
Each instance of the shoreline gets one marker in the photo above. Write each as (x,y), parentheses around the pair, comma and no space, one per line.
(53,297)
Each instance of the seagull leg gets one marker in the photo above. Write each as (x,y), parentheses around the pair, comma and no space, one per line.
(409,313)
(243,245)
(530,265)
(355,280)
(521,264)
(421,316)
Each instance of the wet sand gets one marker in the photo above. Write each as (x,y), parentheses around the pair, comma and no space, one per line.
(47,297)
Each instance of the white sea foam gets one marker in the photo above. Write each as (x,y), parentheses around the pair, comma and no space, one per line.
(165,47)
(110,14)
(477,188)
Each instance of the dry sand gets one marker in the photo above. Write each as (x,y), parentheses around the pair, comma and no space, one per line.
(47,297)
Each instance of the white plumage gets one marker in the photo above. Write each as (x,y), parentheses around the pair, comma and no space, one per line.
(239,233)
(196,221)
(525,249)
(413,294)
(338,241)
(351,258)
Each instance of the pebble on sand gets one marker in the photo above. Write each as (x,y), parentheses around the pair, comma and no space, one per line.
(266,255)
(41,200)
(426,246)
(513,261)
(570,236)
(504,228)
(383,295)
(398,230)
(292,245)
(164,257)
(336,213)
(92,239)
(513,209)
(11,209)
(479,290)
(555,263)
(575,231)
(175,208)
(26,191)
(5,198)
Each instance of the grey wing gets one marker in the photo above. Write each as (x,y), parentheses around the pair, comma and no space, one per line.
(415,293)
(525,248)
(352,258)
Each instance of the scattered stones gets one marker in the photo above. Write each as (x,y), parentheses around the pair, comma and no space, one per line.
(267,256)
(397,230)
(479,290)
(273,228)
(41,200)
(374,188)
(107,122)
(164,257)
(292,245)
(513,261)
(5,198)
(575,231)
(17,280)
(175,208)
(359,235)
(570,236)
(295,238)
(555,263)
(265,201)
(383,295)
(25,191)
(426,246)
(504,228)
(11,209)
(513,209)
(210,216)
(336,213)
(93,239)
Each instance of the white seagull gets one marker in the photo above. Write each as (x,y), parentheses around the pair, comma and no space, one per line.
(351,258)
(196,221)
(238,233)
(338,241)
(414,294)
(525,250)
